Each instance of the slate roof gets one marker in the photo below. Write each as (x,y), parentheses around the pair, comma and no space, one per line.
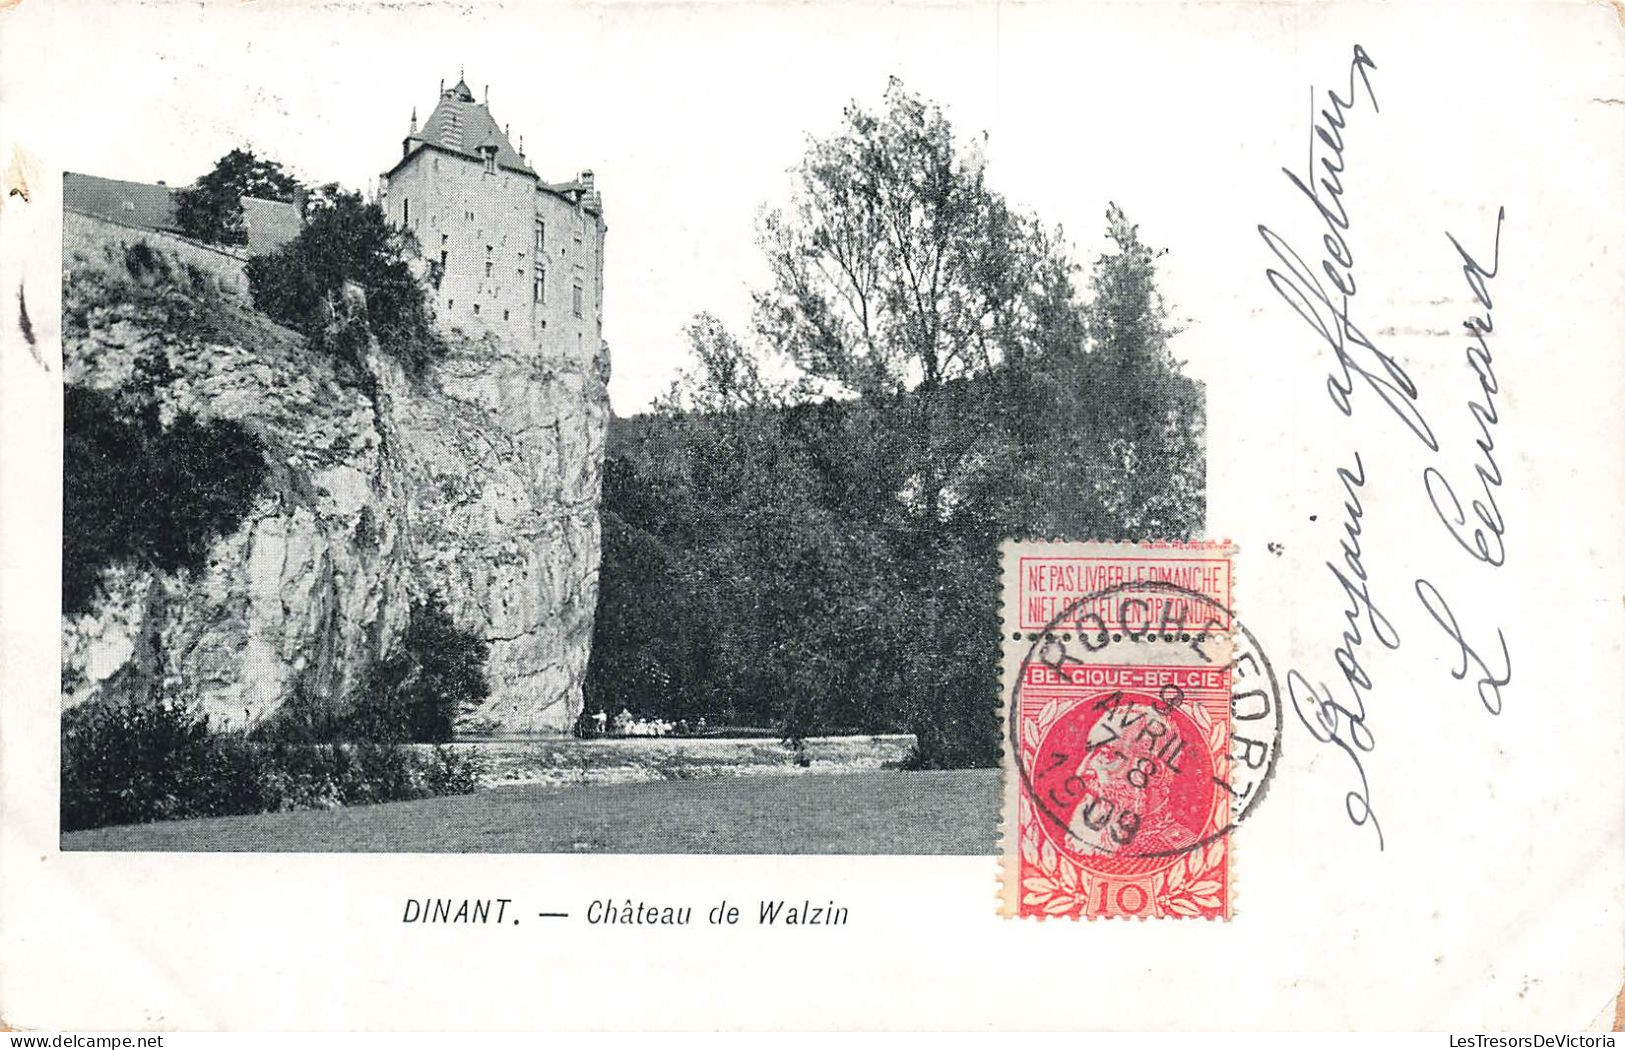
(132,203)
(576,190)
(460,125)
(270,224)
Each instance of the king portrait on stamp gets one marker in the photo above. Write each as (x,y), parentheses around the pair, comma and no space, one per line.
(1120,663)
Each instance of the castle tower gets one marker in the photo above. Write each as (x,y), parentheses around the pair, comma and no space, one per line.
(513,254)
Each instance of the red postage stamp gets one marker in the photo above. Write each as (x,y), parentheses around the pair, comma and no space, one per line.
(1118,675)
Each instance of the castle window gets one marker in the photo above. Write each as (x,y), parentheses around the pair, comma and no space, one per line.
(488,267)
(575,301)
(406,211)
(443,255)
(539,291)
(541,236)
(476,308)
(504,315)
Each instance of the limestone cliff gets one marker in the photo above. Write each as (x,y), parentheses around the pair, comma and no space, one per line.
(478,484)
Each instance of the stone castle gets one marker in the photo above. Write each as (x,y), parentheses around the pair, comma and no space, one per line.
(509,253)
(480,486)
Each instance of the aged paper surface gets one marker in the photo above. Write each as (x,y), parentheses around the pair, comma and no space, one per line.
(729,347)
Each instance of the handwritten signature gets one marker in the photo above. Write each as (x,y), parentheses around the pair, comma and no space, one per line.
(1483,539)
(1327,307)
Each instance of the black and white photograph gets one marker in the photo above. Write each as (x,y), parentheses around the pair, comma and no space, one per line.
(368,545)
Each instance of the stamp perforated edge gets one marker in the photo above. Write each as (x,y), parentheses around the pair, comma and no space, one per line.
(1007,891)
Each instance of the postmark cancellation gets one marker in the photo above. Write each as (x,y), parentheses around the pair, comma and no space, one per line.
(1118,671)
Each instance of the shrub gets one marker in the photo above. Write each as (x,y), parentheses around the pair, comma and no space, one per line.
(135,491)
(133,762)
(418,693)
(415,695)
(347,240)
(147,266)
(302,720)
(450,773)
(157,759)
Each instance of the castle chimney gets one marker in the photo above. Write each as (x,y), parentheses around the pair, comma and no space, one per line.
(586,179)
(488,96)
(442,87)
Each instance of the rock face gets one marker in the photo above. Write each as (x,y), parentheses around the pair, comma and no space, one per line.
(478,485)
(503,468)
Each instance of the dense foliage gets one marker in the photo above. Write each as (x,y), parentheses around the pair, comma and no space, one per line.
(806,535)
(211,209)
(415,695)
(347,241)
(138,492)
(158,759)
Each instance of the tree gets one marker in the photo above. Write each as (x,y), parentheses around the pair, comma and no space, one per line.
(1154,473)
(896,268)
(730,375)
(807,530)
(344,240)
(211,209)
(901,279)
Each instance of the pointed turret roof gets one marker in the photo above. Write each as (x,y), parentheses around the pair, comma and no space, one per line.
(460,125)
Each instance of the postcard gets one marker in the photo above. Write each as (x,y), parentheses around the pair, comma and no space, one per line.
(805,516)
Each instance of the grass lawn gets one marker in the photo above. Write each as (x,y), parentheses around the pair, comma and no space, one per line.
(880,812)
